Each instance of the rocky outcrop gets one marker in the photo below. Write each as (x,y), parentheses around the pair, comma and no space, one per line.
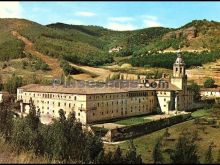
(189,33)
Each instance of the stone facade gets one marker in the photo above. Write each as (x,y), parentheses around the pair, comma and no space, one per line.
(100,104)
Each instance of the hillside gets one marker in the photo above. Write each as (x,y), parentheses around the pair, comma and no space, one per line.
(90,45)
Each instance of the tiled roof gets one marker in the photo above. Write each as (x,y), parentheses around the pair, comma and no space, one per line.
(88,90)
(211,89)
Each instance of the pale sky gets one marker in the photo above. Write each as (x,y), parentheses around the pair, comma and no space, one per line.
(113,15)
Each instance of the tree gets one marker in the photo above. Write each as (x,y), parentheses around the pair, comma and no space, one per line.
(166,133)
(131,156)
(117,157)
(26,134)
(196,91)
(209,83)
(157,153)
(6,119)
(185,151)
(13,83)
(208,156)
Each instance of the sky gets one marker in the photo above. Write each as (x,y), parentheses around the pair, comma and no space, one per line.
(112,15)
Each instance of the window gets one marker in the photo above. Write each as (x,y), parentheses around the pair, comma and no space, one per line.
(93,114)
(164,99)
(69,105)
(176,69)
(58,104)
(164,105)
(64,104)
(78,114)
(75,98)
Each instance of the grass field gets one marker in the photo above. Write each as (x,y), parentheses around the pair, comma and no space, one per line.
(133,120)
(146,143)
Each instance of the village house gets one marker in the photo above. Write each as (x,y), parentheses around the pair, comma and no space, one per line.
(210,93)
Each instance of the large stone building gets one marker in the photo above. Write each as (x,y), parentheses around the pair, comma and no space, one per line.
(92,104)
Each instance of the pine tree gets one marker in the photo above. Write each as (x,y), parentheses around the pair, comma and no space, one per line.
(117,157)
(157,153)
(131,156)
(185,151)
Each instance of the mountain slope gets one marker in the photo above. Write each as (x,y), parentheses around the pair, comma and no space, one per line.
(89,45)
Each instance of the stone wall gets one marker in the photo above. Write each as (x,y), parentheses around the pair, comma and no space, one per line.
(124,133)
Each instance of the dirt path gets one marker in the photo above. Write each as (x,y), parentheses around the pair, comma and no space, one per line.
(52,62)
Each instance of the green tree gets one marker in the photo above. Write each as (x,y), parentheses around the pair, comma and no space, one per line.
(157,152)
(185,151)
(26,134)
(6,119)
(131,156)
(13,83)
(209,83)
(196,91)
(117,157)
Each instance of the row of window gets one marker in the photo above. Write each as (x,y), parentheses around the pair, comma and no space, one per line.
(50,95)
(125,112)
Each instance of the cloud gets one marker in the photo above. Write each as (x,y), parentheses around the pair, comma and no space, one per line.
(120,26)
(85,14)
(10,10)
(151,21)
(121,19)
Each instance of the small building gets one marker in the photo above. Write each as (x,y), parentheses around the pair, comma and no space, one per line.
(210,93)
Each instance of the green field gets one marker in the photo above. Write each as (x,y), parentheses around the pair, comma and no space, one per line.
(207,134)
(133,120)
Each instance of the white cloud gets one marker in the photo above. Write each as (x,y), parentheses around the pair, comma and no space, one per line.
(121,19)
(120,27)
(150,21)
(10,10)
(85,14)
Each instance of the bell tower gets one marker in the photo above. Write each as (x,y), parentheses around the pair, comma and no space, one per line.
(179,77)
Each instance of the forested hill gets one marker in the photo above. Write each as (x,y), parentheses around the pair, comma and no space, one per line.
(90,45)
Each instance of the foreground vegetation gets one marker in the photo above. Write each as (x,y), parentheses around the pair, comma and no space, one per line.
(166,60)
(201,134)
(63,141)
